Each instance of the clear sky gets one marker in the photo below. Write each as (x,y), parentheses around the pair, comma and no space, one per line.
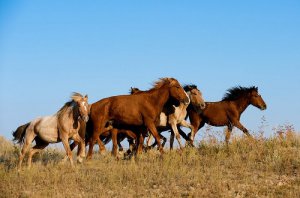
(49,49)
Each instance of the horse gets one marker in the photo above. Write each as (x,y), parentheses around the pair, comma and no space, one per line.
(173,116)
(227,112)
(139,111)
(61,126)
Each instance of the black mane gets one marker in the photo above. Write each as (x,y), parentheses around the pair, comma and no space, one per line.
(238,92)
(189,87)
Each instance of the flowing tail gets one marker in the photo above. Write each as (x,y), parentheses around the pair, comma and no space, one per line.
(19,134)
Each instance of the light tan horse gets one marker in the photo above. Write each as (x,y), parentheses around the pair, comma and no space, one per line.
(61,126)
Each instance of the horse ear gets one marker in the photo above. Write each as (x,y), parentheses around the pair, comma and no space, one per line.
(86,97)
(171,81)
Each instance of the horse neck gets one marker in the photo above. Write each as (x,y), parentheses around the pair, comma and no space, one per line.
(159,97)
(72,113)
(241,104)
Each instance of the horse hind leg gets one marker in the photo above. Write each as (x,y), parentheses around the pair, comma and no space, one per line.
(172,140)
(228,134)
(40,145)
(29,137)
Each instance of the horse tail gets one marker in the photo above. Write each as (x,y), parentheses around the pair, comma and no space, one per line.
(19,134)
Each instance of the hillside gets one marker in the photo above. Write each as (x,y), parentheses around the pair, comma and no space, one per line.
(246,168)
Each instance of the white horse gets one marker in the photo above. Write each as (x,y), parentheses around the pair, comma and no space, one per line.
(61,126)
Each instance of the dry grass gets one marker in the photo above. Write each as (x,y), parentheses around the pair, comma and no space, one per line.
(246,168)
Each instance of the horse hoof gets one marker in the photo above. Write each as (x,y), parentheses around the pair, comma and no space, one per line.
(80,160)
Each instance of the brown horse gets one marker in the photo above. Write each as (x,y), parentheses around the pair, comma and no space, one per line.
(173,116)
(228,111)
(61,126)
(140,110)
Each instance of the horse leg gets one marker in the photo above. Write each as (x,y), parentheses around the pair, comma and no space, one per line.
(40,145)
(114,137)
(164,140)
(176,133)
(151,126)
(171,140)
(182,133)
(140,144)
(81,148)
(228,134)
(29,137)
(120,138)
(149,139)
(95,137)
(64,139)
(197,124)
(196,128)
(184,123)
(241,127)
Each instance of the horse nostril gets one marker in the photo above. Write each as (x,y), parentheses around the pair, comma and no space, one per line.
(187,101)
(202,106)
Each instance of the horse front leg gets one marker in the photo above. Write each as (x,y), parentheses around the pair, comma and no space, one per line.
(176,133)
(241,127)
(65,140)
(81,148)
(151,126)
(97,131)
(184,123)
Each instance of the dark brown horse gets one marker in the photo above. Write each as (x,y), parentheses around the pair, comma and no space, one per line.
(140,110)
(228,111)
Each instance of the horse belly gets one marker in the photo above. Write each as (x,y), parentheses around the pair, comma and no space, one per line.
(163,119)
(47,130)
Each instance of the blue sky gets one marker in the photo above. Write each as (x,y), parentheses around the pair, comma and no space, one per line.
(49,49)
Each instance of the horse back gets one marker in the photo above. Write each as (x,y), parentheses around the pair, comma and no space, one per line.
(126,108)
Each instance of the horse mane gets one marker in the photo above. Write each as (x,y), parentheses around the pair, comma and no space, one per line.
(189,87)
(163,81)
(237,92)
(75,108)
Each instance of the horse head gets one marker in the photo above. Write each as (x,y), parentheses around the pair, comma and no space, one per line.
(176,91)
(256,99)
(83,106)
(196,97)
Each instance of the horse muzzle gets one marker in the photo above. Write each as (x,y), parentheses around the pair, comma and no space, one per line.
(85,118)
(263,107)
(186,101)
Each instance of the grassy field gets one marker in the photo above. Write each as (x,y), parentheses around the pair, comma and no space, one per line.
(246,168)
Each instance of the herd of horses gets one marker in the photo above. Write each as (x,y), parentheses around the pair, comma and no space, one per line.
(164,107)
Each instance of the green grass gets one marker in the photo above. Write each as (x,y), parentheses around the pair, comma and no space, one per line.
(246,168)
